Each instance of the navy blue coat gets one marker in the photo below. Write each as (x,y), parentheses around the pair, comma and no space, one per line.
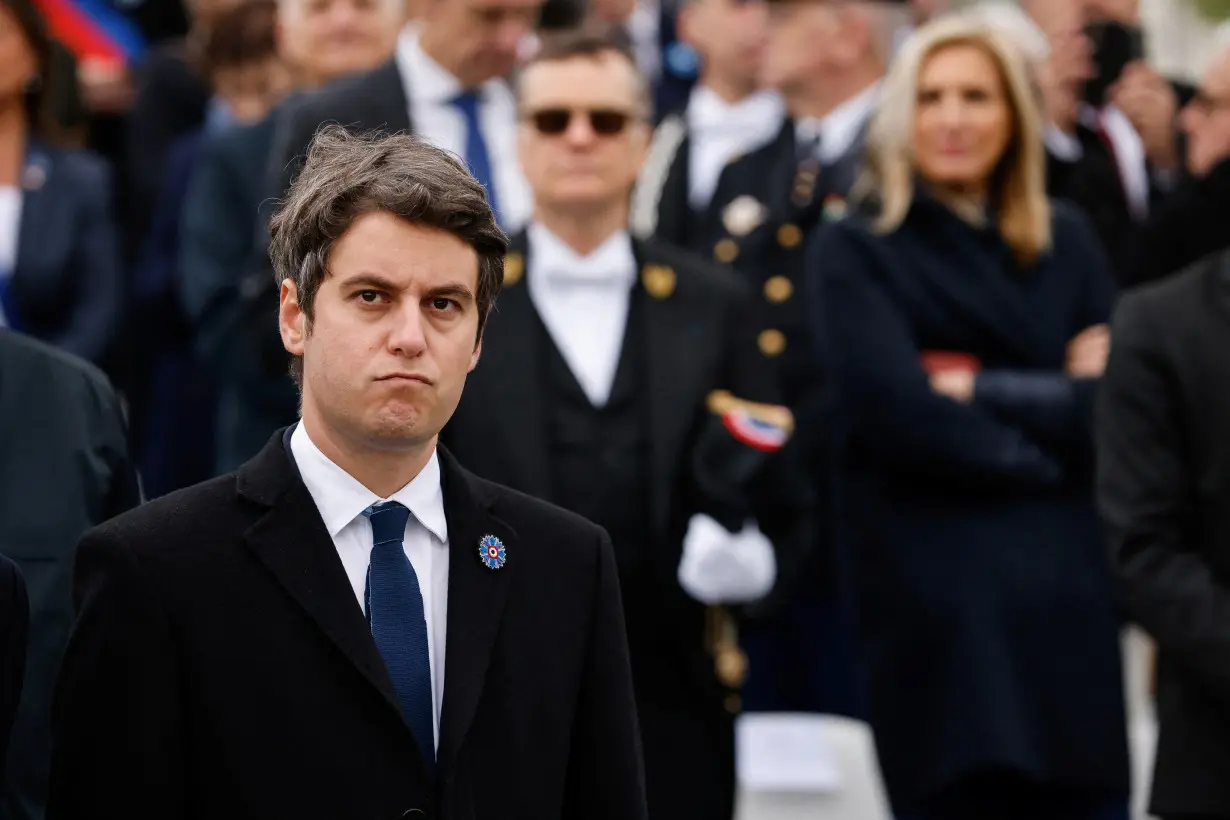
(66,285)
(983,592)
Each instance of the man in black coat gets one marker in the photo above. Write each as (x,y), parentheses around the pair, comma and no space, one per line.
(353,625)
(1165,501)
(14,624)
(66,466)
(605,359)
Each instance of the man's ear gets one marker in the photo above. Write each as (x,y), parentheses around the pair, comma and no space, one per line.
(478,351)
(292,321)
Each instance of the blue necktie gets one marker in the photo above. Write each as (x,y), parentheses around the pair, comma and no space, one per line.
(395,614)
(476,155)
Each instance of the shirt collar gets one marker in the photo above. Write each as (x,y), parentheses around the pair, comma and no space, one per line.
(759,112)
(612,263)
(1062,145)
(840,127)
(340,497)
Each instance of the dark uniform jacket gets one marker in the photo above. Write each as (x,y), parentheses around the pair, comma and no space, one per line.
(984,596)
(523,421)
(1162,489)
(220,667)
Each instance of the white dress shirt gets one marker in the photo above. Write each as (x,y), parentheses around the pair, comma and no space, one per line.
(341,500)
(434,117)
(840,127)
(10,227)
(583,302)
(1129,154)
(719,131)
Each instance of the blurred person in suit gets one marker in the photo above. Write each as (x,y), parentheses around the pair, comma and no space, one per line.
(446,83)
(963,315)
(354,625)
(174,397)
(1161,449)
(606,359)
(59,253)
(727,115)
(14,626)
(66,467)
(318,43)
(1161,446)
(827,61)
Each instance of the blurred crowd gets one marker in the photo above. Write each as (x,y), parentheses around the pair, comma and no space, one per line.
(905,225)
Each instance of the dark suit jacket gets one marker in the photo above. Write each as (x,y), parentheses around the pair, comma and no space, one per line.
(220,667)
(66,467)
(970,529)
(67,285)
(14,624)
(1165,501)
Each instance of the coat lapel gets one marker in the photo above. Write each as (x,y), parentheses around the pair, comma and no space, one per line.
(476,596)
(511,374)
(293,544)
(674,343)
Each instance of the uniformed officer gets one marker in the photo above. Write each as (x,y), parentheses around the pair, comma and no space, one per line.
(727,115)
(606,357)
(827,61)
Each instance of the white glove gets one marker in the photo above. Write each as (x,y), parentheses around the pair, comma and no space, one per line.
(719,567)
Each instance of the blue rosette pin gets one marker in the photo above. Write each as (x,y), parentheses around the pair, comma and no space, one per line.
(491,552)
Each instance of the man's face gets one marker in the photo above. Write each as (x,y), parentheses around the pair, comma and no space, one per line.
(583,132)
(804,36)
(328,39)
(483,38)
(730,35)
(1206,120)
(394,333)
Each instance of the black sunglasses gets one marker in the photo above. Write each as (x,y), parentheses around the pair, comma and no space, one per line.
(605,122)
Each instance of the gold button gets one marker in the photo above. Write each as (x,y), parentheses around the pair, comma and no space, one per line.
(778,289)
(789,235)
(734,704)
(726,250)
(772,342)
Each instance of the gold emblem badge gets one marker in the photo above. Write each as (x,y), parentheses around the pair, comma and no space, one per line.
(778,289)
(514,268)
(772,342)
(659,280)
(743,215)
(789,235)
(726,251)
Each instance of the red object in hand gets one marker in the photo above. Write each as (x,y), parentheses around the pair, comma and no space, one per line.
(937,361)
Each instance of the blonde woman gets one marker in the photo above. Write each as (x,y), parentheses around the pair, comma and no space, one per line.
(962,316)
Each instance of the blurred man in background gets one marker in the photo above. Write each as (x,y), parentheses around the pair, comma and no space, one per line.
(66,467)
(320,42)
(728,115)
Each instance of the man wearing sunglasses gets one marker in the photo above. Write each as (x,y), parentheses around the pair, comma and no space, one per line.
(603,362)
(727,115)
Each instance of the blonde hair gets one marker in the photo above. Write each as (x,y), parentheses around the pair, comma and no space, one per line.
(1018,183)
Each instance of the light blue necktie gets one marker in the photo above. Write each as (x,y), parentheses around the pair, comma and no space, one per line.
(476,155)
(398,623)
